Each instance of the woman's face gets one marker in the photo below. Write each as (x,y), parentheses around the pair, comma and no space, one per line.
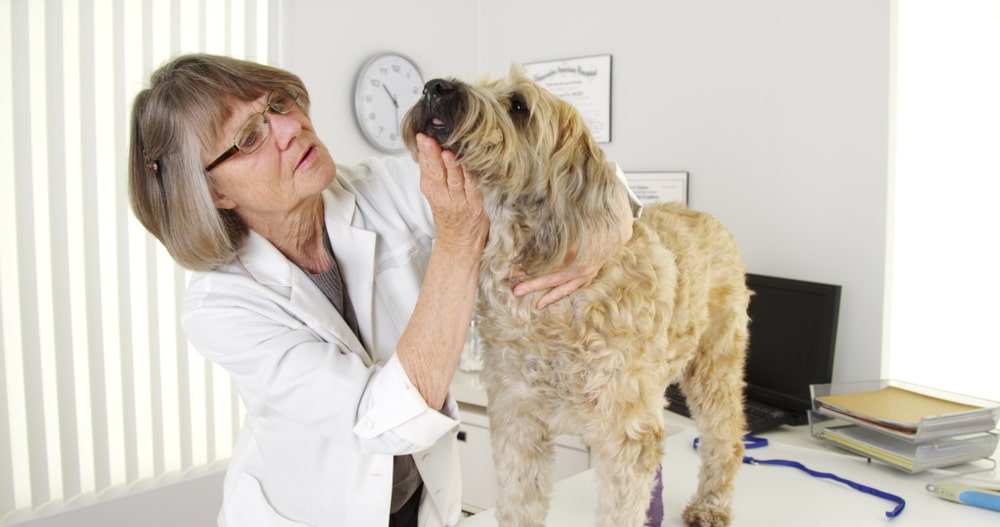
(289,169)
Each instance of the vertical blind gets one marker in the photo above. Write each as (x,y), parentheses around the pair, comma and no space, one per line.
(99,390)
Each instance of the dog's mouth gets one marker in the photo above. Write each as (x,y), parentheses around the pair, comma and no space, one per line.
(439,129)
(438,111)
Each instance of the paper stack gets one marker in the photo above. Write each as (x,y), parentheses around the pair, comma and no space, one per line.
(909,427)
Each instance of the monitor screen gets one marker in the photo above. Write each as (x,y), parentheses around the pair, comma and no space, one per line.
(793,331)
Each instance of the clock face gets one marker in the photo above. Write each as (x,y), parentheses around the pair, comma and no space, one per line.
(388,85)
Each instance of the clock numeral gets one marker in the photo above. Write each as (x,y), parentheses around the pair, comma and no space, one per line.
(372,109)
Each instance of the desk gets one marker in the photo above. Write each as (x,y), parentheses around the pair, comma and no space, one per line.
(777,496)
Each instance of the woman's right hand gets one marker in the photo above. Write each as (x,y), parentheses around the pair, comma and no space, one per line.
(455,200)
(432,342)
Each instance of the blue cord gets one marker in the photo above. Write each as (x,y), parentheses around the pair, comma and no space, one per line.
(752,442)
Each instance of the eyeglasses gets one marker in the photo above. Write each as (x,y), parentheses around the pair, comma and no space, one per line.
(257,128)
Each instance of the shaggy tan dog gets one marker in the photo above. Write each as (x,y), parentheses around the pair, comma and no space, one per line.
(671,304)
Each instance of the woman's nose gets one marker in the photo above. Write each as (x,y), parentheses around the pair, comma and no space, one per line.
(286,127)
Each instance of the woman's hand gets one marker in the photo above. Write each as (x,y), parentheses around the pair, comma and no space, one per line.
(455,200)
(578,271)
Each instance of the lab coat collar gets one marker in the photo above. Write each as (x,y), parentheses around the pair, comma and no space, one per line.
(355,251)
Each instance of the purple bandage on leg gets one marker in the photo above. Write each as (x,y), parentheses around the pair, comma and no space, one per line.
(654,515)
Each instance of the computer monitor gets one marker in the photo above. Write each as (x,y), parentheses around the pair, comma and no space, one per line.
(793,333)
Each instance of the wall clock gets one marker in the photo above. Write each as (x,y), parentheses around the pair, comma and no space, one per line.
(388,85)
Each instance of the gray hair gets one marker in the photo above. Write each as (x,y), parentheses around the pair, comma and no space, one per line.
(177,118)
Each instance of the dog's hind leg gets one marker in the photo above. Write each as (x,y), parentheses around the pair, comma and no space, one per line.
(524,456)
(713,384)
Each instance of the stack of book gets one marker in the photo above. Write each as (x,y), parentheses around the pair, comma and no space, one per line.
(912,428)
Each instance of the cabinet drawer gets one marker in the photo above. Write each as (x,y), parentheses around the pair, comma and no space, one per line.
(479,488)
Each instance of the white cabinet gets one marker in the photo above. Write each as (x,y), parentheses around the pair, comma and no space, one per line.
(479,488)
(478,478)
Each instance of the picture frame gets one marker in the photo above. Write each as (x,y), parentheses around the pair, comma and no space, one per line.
(652,187)
(584,82)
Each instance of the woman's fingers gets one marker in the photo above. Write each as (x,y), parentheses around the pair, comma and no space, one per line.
(455,200)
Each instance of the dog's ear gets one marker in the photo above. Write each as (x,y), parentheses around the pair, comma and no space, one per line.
(582,193)
(516,71)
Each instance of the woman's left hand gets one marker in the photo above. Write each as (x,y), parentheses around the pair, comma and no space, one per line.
(561,282)
(577,272)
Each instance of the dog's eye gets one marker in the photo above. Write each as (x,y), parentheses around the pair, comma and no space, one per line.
(517,105)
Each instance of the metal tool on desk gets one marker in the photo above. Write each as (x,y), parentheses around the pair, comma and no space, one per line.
(987,497)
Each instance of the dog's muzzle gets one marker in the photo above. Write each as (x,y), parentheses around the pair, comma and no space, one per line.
(441,105)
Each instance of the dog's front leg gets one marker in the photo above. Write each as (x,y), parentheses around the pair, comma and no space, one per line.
(524,454)
(626,473)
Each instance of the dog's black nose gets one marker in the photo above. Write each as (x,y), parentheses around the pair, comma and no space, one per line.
(438,88)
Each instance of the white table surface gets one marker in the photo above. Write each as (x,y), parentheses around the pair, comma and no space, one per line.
(776,496)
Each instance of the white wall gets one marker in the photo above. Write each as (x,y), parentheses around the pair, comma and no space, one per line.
(779,109)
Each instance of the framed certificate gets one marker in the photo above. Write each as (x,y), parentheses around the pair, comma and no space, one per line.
(584,82)
(651,187)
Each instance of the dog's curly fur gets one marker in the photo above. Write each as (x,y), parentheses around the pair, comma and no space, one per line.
(670,304)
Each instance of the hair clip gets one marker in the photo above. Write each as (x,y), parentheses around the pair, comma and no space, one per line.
(151,163)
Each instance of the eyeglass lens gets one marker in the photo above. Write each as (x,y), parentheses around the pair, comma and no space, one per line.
(256,130)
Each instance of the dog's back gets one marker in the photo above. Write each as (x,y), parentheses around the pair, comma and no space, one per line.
(711,275)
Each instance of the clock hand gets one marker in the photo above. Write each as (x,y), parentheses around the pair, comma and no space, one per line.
(394,103)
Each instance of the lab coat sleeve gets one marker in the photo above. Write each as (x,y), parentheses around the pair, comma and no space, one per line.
(407,414)
(285,369)
(394,184)
(633,200)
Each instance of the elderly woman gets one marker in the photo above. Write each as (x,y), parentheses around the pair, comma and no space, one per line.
(337,298)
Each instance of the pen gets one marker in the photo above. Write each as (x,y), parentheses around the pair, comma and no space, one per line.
(986,498)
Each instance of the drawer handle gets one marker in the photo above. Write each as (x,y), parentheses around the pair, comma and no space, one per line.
(461,435)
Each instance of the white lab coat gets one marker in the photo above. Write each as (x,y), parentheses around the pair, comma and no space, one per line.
(325,413)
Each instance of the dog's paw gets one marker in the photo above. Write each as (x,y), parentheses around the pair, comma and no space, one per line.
(700,515)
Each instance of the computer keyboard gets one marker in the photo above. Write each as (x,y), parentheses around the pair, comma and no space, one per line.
(760,417)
